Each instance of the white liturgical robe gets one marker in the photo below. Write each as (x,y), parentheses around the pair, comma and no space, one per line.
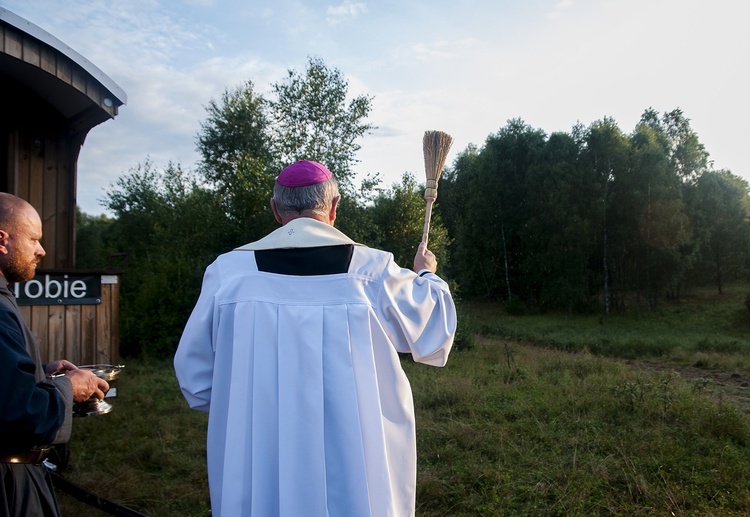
(310,412)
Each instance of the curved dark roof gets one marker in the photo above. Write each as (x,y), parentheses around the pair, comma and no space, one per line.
(63,78)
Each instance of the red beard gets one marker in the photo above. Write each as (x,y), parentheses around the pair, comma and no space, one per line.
(18,270)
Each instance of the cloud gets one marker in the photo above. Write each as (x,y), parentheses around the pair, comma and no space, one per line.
(345,11)
(424,52)
(465,68)
(436,50)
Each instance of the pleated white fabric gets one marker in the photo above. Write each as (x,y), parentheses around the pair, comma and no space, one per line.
(310,413)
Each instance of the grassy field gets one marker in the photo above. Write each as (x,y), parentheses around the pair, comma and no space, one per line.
(541,416)
(702,323)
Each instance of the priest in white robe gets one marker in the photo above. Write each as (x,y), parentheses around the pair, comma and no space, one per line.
(292,349)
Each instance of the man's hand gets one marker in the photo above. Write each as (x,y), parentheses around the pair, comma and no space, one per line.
(59,367)
(424,259)
(86,384)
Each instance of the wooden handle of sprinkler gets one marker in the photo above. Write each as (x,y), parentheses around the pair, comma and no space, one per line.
(427,217)
(430,195)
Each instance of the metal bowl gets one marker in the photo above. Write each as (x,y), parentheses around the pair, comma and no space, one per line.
(108,372)
(94,406)
(91,407)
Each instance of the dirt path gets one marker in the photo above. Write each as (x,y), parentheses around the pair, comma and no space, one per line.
(729,385)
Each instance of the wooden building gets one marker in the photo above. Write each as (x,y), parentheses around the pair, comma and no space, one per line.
(51,98)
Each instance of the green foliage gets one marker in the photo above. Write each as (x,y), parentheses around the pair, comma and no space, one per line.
(596,219)
(93,243)
(247,139)
(466,328)
(560,230)
(591,221)
(313,120)
(170,227)
(639,392)
(171,223)
(720,208)
(690,332)
(235,145)
(562,439)
(235,131)
(515,308)
(397,217)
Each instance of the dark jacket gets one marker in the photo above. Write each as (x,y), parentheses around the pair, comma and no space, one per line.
(34,411)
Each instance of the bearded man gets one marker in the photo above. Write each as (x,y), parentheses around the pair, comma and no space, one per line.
(35,408)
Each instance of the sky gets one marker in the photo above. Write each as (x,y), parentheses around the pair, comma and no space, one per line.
(464,67)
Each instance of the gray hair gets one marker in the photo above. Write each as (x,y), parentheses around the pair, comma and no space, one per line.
(312,198)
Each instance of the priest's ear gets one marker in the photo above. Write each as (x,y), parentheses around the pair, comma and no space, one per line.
(334,205)
(3,242)
(276,212)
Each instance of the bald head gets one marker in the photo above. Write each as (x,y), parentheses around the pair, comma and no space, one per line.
(20,235)
(12,209)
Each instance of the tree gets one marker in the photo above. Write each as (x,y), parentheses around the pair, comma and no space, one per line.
(237,160)
(313,121)
(246,140)
(607,152)
(234,130)
(720,207)
(398,215)
(171,228)
(688,156)
(453,208)
(560,229)
(172,223)
(491,238)
(93,242)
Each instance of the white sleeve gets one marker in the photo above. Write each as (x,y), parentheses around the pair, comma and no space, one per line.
(194,359)
(419,314)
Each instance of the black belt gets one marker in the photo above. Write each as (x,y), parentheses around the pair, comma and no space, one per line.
(35,456)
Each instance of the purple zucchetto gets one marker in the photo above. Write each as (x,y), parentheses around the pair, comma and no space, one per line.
(303,173)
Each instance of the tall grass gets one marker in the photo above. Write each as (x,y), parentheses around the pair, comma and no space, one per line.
(704,323)
(506,428)
(147,454)
(514,430)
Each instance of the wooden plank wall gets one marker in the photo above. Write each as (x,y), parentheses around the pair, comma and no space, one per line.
(82,334)
(44,175)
